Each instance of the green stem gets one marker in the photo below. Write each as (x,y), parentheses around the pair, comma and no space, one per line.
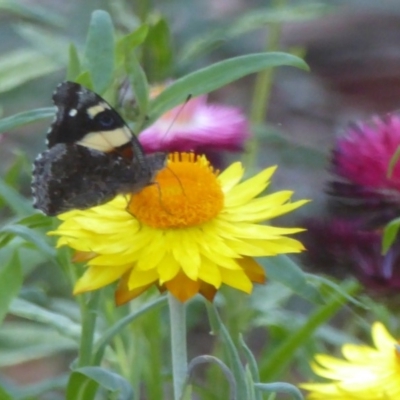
(263,84)
(178,344)
(278,360)
(89,312)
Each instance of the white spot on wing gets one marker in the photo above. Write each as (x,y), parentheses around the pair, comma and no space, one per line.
(72,112)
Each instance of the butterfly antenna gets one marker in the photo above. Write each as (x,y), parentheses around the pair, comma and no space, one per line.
(176,116)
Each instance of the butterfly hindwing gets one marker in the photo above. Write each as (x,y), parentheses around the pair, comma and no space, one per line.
(92,155)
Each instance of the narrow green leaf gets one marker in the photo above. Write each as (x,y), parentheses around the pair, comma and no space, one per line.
(24,341)
(85,79)
(114,384)
(20,66)
(80,387)
(252,366)
(45,41)
(138,81)
(133,39)
(5,395)
(215,76)
(100,51)
(109,334)
(248,22)
(234,358)
(282,269)
(280,387)
(282,355)
(31,236)
(19,204)
(393,162)
(38,390)
(10,283)
(157,56)
(26,117)
(13,173)
(37,13)
(62,324)
(74,64)
(390,234)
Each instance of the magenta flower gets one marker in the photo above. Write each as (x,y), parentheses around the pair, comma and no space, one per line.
(362,159)
(197,126)
(342,248)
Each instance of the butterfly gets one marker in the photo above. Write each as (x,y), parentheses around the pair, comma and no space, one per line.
(91,155)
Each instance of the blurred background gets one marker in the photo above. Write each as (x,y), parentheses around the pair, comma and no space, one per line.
(352,48)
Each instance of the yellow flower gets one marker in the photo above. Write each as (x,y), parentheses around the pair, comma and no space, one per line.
(189,233)
(366,374)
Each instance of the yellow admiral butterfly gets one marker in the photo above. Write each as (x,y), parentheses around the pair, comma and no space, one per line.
(92,155)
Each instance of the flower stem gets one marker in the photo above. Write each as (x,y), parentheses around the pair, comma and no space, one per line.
(89,312)
(178,344)
(263,86)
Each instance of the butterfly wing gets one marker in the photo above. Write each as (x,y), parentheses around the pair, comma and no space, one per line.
(92,155)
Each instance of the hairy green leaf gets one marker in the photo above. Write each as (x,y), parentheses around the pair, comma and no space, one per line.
(215,76)
(100,51)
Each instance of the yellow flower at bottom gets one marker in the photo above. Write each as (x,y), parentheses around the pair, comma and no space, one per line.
(366,374)
(189,233)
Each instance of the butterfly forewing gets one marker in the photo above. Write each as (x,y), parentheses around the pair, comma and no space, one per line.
(92,155)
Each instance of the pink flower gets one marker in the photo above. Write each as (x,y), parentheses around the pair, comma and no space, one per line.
(197,126)
(363,155)
(342,248)
(361,161)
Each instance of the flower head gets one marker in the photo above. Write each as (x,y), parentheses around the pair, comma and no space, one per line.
(362,159)
(197,126)
(189,233)
(341,247)
(367,373)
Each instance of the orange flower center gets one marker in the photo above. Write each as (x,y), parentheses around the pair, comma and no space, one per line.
(186,193)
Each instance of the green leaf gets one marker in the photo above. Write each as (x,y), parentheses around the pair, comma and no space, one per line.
(138,81)
(5,395)
(31,236)
(389,234)
(10,282)
(45,41)
(85,79)
(38,390)
(100,51)
(282,269)
(280,357)
(80,387)
(248,22)
(74,64)
(133,39)
(215,76)
(22,65)
(62,324)
(252,367)
(37,13)
(109,334)
(280,387)
(19,204)
(24,341)
(157,55)
(234,358)
(26,117)
(114,384)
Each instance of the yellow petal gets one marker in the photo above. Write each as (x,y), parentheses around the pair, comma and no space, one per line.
(231,176)
(141,278)
(236,279)
(96,277)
